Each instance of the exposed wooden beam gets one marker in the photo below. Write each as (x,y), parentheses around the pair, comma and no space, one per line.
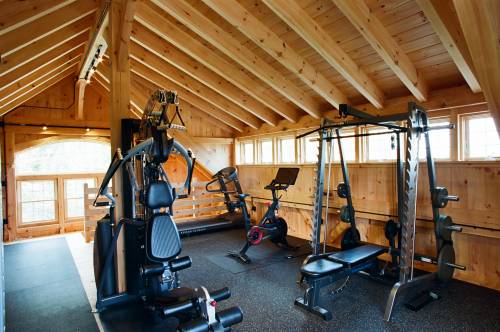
(45,25)
(230,46)
(164,83)
(27,95)
(45,45)
(102,77)
(157,45)
(163,68)
(79,98)
(96,37)
(444,21)
(276,47)
(210,118)
(125,29)
(101,82)
(305,26)
(159,24)
(368,25)
(68,51)
(36,75)
(24,12)
(480,22)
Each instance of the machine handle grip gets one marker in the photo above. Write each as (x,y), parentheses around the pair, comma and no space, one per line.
(178,308)
(454,228)
(98,204)
(199,325)
(221,294)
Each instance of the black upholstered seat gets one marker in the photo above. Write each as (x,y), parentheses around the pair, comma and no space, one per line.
(320,268)
(356,255)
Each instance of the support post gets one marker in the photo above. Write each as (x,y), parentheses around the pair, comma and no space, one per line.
(79,98)
(119,106)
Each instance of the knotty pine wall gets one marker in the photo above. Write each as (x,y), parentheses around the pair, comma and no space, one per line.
(374,198)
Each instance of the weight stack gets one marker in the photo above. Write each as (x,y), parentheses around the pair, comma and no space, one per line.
(102,241)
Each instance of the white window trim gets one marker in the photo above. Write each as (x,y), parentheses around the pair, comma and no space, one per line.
(464,140)
(278,148)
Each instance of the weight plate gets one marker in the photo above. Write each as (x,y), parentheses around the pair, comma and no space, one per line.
(439,197)
(442,230)
(350,239)
(391,229)
(345,214)
(446,255)
(342,190)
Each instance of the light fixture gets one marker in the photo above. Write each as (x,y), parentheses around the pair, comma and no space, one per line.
(87,130)
(44,128)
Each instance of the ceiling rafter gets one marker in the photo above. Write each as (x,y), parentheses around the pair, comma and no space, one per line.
(305,26)
(368,25)
(36,89)
(231,47)
(67,50)
(483,43)
(444,21)
(157,23)
(279,49)
(161,81)
(163,68)
(37,74)
(156,45)
(24,12)
(44,26)
(37,48)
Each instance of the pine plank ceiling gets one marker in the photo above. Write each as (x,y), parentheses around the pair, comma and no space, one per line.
(246,62)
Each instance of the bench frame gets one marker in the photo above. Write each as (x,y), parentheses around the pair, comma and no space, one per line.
(312,295)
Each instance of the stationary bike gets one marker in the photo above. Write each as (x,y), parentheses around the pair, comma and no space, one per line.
(271,227)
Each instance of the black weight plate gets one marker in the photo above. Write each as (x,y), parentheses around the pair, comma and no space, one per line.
(441,228)
(342,190)
(345,214)
(446,255)
(391,229)
(350,239)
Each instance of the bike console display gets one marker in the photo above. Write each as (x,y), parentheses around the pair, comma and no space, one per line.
(285,177)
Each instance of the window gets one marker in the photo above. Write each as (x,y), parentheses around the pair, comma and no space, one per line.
(266,151)
(37,200)
(348,146)
(380,147)
(310,150)
(64,157)
(246,151)
(481,138)
(286,150)
(440,141)
(74,198)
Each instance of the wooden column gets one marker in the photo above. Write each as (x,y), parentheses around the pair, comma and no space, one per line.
(79,98)
(119,106)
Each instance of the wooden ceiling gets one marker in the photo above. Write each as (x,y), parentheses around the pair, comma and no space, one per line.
(250,62)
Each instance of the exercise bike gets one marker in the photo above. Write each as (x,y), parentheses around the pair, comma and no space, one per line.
(271,226)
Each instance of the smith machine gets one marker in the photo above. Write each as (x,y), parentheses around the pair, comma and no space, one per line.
(322,269)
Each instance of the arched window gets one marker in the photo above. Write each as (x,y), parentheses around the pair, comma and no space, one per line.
(51,177)
(64,157)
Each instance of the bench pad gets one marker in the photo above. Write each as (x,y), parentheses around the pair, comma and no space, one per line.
(356,255)
(320,268)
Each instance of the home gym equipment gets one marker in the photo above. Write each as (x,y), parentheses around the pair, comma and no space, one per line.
(152,241)
(223,186)
(271,226)
(322,269)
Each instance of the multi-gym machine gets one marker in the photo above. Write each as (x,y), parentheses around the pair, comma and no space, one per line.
(323,269)
(151,239)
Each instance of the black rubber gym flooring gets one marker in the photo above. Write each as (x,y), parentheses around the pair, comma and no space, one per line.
(43,291)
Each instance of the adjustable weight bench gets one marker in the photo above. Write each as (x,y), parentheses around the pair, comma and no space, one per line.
(326,270)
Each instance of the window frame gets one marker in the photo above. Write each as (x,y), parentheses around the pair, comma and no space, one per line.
(259,151)
(278,149)
(303,146)
(365,146)
(422,138)
(65,205)
(19,213)
(464,139)
(242,152)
